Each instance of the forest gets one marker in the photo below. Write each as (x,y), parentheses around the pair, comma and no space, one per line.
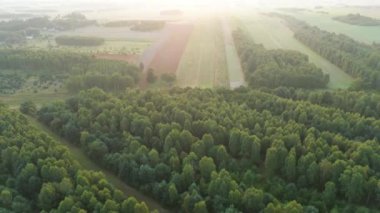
(79,41)
(274,68)
(39,175)
(357,19)
(86,129)
(357,59)
(202,150)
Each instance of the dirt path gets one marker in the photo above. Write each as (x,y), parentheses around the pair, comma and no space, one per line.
(87,163)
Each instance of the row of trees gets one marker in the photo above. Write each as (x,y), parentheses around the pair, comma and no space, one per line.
(227,151)
(355,58)
(39,175)
(274,68)
(366,104)
(81,70)
(79,41)
(138,25)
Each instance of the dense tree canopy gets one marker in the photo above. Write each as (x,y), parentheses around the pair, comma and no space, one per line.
(37,174)
(227,151)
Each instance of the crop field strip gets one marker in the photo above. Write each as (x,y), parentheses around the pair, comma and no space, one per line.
(164,56)
(204,61)
(274,34)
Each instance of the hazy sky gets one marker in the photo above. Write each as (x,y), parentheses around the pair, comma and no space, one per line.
(276,3)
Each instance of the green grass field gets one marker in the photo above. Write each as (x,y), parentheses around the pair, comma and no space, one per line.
(204,62)
(110,46)
(87,163)
(273,34)
(366,34)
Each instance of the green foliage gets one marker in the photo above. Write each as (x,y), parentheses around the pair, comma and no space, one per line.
(28,107)
(39,175)
(168,78)
(151,77)
(242,150)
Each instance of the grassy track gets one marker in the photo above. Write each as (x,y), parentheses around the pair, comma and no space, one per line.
(366,34)
(203,63)
(235,71)
(87,163)
(273,34)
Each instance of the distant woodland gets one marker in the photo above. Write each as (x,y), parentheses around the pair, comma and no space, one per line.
(357,59)
(357,19)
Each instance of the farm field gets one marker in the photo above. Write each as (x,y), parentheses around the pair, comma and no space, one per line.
(164,56)
(325,21)
(273,34)
(204,62)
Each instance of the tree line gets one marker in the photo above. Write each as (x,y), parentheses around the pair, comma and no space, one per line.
(79,41)
(80,71)
(138,25)
(274,68)
(357,59)
(366,104)
(202,150)
(39,175)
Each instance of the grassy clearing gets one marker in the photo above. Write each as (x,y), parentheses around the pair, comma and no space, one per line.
(325,21)
(110,46)
(87,163)
(274,34)
(203,63)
